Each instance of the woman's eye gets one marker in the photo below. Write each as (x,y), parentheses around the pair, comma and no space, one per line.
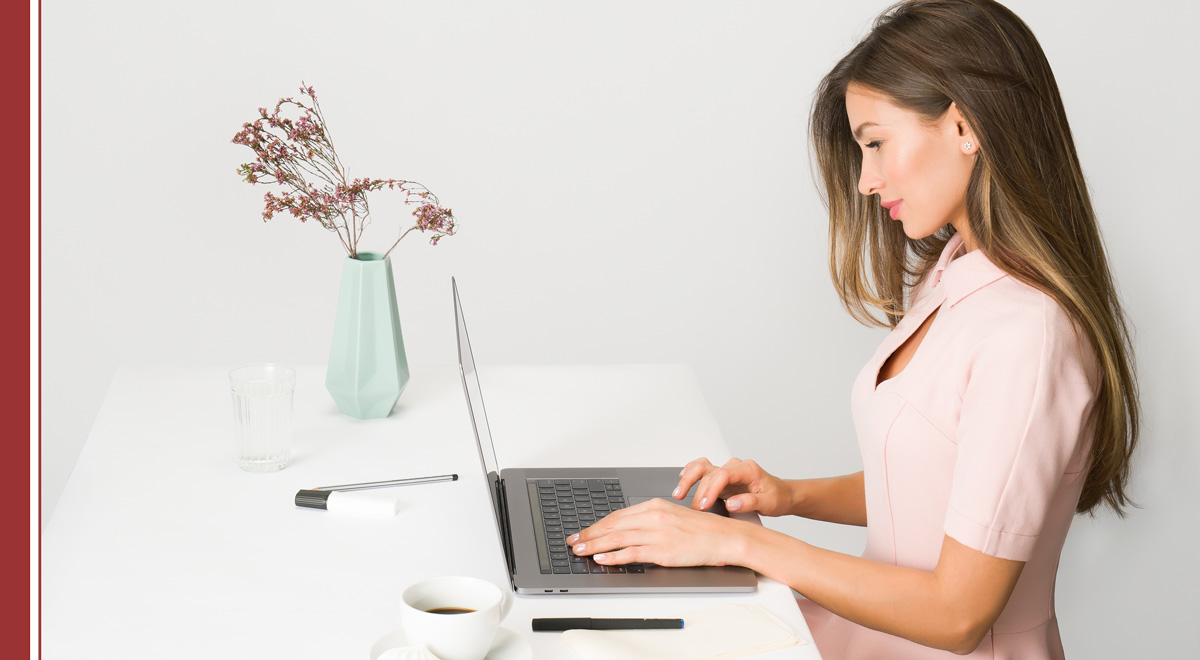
(874,145)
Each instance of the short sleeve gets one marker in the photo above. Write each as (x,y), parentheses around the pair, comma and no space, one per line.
(1022,432)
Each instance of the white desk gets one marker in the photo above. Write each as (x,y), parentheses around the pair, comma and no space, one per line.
(160,547)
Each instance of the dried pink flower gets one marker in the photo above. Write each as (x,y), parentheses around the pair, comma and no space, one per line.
(298,154)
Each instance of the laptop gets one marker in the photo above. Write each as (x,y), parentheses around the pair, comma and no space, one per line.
(536,509)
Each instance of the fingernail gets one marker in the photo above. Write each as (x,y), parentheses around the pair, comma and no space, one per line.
(579,548)
(677,492)
(572,538)
(733,505)
(703,502)
(600,557)
(682,471)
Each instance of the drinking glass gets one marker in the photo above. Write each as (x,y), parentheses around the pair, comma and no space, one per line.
(262,413)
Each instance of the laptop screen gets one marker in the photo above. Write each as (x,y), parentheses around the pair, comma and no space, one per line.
(470,379)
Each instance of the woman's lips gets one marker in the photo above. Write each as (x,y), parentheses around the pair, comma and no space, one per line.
(893,208)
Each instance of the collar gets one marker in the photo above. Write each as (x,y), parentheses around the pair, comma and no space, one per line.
(961,273)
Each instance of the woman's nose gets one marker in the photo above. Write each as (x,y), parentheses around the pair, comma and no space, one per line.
(869,181)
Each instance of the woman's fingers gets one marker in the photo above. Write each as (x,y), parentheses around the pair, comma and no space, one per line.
(656,532)
(744,486)
(690,474)
(724,482)
(618,529)
(743,502)
(625,538)
(622,556)
(710,488)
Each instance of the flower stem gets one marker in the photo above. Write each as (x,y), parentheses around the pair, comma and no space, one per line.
(389,251)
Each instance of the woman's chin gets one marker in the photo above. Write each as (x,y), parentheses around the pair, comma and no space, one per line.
(917,231)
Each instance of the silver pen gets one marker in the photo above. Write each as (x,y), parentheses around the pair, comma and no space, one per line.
(411,481)
(322,498)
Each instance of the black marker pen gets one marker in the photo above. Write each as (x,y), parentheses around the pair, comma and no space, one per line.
(584,623)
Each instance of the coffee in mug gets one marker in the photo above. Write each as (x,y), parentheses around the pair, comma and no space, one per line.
(477,607)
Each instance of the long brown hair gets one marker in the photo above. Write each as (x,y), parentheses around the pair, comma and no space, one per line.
(1028,204)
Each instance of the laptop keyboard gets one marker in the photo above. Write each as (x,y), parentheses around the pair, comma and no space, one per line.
(565,506)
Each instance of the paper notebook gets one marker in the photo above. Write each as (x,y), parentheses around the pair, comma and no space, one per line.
(717,633)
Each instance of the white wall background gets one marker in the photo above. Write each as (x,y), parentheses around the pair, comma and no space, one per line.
(633,185)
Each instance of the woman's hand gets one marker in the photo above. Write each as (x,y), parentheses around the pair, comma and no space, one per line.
(662,533)
(742,484)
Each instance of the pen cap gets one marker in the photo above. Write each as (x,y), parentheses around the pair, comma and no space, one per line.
(314,499)
(366,504)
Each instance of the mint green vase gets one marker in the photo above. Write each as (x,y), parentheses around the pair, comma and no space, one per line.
(367,366)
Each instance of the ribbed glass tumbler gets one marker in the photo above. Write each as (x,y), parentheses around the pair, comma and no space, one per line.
(262,415)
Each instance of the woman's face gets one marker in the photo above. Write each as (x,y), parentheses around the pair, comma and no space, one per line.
(920,172)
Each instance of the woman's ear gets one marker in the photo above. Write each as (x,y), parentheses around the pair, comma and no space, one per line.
(960,130)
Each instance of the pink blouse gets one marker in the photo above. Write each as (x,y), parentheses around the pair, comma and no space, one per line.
(984,437)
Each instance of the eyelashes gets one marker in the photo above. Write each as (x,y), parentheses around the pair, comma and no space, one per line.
(874,145)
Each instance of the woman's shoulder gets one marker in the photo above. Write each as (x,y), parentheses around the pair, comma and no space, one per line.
(1012,320)
(1009,305)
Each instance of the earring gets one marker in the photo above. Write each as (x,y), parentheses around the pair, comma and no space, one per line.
(967,146)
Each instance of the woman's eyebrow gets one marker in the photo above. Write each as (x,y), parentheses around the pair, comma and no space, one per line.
(859,131)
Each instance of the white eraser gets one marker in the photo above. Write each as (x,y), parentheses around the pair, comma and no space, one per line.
(363,504)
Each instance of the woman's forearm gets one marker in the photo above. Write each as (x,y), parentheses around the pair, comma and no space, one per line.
(951,607)
(833,499)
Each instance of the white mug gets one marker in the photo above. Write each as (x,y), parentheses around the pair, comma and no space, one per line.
(458,636)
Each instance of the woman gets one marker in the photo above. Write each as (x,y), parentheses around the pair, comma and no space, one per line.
(1003,400)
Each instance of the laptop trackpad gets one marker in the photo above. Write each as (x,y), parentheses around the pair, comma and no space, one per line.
(718,508)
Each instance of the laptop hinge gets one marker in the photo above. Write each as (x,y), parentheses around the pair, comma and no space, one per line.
(505,528)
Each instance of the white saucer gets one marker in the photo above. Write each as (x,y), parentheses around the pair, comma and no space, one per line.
(508,645)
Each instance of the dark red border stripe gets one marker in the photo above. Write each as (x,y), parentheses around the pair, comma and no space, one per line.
(15,311)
